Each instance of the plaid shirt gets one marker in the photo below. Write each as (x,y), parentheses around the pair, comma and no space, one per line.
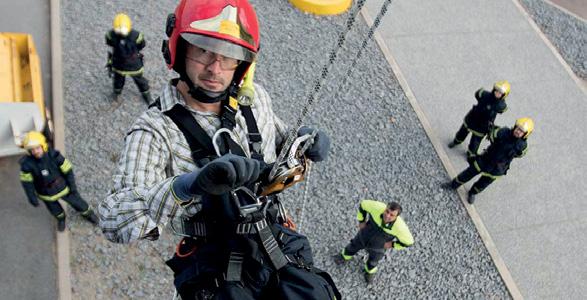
(156,152)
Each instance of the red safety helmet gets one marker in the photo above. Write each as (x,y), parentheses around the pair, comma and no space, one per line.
(226,27)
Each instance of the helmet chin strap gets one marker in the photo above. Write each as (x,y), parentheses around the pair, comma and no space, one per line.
(201,94)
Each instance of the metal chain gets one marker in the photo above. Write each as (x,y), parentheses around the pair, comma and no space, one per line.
(317,86)
(369,36)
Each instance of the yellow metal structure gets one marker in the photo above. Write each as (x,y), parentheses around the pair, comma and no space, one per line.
(20,71)
(322,7)
(22,105)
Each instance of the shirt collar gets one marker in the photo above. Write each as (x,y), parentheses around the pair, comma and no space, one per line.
(171,97)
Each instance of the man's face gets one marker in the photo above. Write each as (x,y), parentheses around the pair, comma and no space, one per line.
(214,76)
(389,215)
(518,133)
(497,94)
(37,152)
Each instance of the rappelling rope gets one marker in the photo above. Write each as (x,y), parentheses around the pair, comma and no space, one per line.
(318,86)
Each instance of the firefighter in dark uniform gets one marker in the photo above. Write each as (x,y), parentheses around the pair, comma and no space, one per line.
(45,174)
(380,228)
(480,118)
(126,59)
(506,144)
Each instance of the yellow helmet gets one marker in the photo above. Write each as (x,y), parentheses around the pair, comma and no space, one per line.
(122,24)
(34,139)
(526,125)
(503,87)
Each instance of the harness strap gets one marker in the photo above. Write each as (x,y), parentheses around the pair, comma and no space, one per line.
(254,136)
(200,143)
(235,266)
(270,245)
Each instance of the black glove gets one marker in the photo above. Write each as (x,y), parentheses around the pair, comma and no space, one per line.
(319,150)
(217,177)
(34,202)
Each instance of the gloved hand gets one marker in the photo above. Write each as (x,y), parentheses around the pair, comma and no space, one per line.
(217,177)
(319,150)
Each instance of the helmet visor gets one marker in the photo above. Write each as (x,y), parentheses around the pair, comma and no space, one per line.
(219,46)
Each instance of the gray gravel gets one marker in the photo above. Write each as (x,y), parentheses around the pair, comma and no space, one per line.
(566,32)
(379,151)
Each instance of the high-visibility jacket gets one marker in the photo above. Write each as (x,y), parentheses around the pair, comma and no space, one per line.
(48,178)
(481,117)
(126,58)
(496,159)
(376,233)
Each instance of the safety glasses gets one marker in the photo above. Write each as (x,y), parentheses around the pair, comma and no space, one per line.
(207,58)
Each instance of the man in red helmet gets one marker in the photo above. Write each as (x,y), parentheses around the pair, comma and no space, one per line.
(188,159)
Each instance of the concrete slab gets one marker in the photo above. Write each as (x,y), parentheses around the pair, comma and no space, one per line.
(576,7)
(27,254)
(448,49)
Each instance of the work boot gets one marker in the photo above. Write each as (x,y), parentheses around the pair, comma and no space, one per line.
(338,259)
(147,97)
(452,144)
(61,225)
(369,277)
(452,185)
(92,218)
(471,197)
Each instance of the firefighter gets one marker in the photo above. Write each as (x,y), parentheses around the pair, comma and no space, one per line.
(380,228)
(506,144)
(479,120)
(125,58)
(170,173)
(45,174)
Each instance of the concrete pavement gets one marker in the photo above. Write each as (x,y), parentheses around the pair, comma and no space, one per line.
(27,255)
(536,215)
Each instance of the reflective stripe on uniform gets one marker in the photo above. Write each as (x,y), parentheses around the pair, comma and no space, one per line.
(128,73)
(26,177)
(477,133)
(140,38)
(344,256)
(476,165)
(54,197)
(371,271)
(360,216)
(87,212)
(65,166)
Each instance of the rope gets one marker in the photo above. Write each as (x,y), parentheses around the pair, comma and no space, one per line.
(349,71)
(306,188)
(318,85)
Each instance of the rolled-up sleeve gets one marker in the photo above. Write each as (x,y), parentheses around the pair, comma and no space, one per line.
(142,197)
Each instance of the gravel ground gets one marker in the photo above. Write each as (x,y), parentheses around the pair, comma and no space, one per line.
(379,151)
(566,32)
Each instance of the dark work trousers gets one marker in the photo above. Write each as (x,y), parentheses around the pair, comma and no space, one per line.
(375,255)
(73,199)
(478,186)
(474,143)
(141,82)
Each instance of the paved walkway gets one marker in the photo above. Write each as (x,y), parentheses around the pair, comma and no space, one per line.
(537,214)
(27,234)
